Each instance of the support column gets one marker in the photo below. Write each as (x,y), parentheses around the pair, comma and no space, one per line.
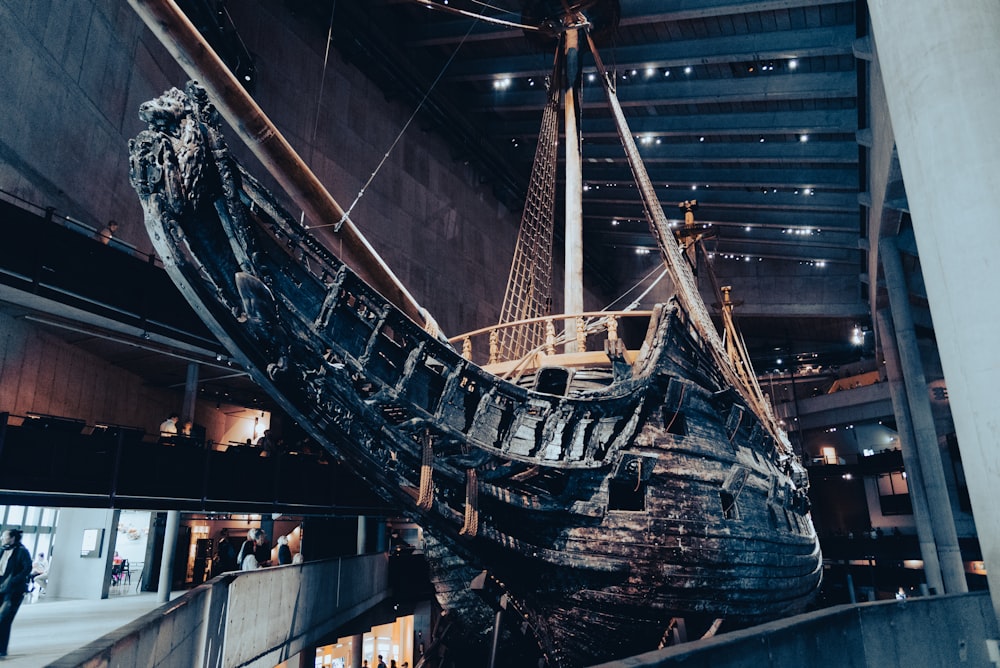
(573,261)
(190,393)
(167,558)
(922,421)
(357,644)
(937,62)
(362,536)
(914,473)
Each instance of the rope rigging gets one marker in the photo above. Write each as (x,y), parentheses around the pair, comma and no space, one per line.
(347,212)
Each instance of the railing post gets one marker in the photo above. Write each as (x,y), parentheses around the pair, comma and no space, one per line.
(612,328)
(494,347)
(581,334)
(550,337)
(467,348)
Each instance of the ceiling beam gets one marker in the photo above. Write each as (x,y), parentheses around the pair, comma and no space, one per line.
(749,48)
(761,216)
(766,124)
(777,87)
(710,200)
(832,152)
(633,13)
(832,178)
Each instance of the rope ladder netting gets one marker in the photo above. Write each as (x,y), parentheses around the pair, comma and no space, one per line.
(529,285)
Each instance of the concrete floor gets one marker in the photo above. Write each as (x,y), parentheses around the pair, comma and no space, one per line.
(47,629)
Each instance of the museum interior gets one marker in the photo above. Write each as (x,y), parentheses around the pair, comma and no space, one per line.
(773,137)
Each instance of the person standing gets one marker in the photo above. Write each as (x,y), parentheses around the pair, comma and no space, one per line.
(284,552)
(247,557)
(168,428)
(15,569)
(226,554)
(381,663)
(265,445)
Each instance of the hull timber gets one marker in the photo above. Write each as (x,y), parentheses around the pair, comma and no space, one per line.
(601,511)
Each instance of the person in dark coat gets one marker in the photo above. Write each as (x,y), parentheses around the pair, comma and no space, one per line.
(226,555)
(284,552)
(15,570)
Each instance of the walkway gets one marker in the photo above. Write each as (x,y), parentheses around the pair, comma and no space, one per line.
(47,629)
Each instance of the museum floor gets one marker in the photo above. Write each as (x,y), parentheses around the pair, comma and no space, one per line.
(47,629)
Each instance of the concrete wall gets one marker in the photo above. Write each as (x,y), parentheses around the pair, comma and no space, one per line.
(74,576)
(255,618)
(931,631)
(41,373)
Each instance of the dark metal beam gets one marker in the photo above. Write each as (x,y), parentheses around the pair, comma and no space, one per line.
(749,48)
(821,86)
(633,12)
(767,124)
(829,152)
(832,178)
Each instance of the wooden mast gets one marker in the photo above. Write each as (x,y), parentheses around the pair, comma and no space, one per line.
(573,259)
(169,24)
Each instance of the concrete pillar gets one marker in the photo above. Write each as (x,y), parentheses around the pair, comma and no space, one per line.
(362,537)
(109,557)
(382,537)
(914,473)
(357,644)
(922,423)
(167,558)
(190,393)
(573,262)
(939,63)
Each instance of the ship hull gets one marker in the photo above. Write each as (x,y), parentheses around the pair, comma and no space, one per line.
(598,515)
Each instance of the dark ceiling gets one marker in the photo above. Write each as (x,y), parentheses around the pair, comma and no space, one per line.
(752,108)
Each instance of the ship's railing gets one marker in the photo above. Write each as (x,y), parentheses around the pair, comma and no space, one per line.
(556,347)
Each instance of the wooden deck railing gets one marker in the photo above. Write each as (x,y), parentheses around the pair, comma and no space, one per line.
(587,325)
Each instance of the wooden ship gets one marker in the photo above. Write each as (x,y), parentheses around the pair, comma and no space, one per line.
(595,492)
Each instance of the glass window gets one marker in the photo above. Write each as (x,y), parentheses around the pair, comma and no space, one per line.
(15,515)
(32,515)
(48,517)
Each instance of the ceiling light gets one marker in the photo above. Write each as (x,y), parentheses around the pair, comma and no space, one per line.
(591,76)
(803,138)
(666,73)
(687,70)
(793,64)
(650,71)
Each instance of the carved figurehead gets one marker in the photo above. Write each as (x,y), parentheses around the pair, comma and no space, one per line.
(168,157)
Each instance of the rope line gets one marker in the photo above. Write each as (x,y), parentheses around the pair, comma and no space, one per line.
(361,193)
